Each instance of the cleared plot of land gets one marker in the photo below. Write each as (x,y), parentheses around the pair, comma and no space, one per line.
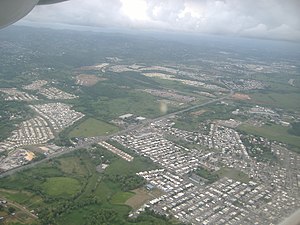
(56,186)
(198,113)
(233,174)
(141,197)
(92,127)
(273,132)
(88,80)
(239,96)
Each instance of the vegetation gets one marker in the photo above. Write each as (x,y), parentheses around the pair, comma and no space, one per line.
(61,186)
(121,197)
(273,132)
(261,152)
(233,174)
(190,122)
(289,101)
(69,190)
(92,127)
(295,129)
(11,113)
(206,174)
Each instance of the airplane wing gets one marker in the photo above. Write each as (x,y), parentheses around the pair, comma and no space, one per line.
(13,10)
(47,2)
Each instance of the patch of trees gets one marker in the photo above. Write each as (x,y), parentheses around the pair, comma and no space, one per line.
(102,216)
(126,182)
(49,215)
(295,129)
(261,151)
(152,218)
(11,113)
(63,140)
(206,174)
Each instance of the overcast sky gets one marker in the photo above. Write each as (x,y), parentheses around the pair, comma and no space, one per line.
(274,19)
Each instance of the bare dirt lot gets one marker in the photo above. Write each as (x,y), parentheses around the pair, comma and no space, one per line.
(142,196)
(239,96)
(88,80)
(198,113)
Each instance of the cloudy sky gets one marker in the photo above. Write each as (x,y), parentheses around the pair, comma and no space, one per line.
(274,19)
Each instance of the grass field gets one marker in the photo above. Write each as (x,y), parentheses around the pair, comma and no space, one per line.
(273,132)
(61,186)
(69,190)
(92,127)
(288,101)
(71,166)
(121,197)
(141,104)
(233,174)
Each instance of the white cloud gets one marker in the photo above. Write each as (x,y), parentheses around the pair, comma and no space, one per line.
(276,19)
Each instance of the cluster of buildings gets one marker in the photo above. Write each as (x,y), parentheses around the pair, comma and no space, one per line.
(223,202)
(59,115)
(116,151)
(31,132)
(203,85)
(259,115)
(164,152)
(16,158)
(166,69)
(244,85)
(128,119)
(226,201)
(53,117)
(36,85)
(12,94)
(170,95)
(48,92)
(263,111)
(141,68)
(55,93)
(170,73)
(270,192)
(6,146)
(227,140)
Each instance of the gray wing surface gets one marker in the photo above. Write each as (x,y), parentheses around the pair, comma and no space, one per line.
(13,10)
(47,2)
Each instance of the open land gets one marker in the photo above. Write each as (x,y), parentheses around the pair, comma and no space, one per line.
(88,80)
(92,127)
(190,136)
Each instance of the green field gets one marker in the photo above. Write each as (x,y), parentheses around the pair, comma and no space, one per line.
(92,127)
(137,103)
(69,190)
(288,101)
(61,186)
(274,132)
(121,197)
(233,174)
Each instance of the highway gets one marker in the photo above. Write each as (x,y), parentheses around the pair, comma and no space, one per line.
(97,139)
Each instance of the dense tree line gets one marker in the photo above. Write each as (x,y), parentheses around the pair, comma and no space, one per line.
(295,129)
(210,176)
(126,182)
